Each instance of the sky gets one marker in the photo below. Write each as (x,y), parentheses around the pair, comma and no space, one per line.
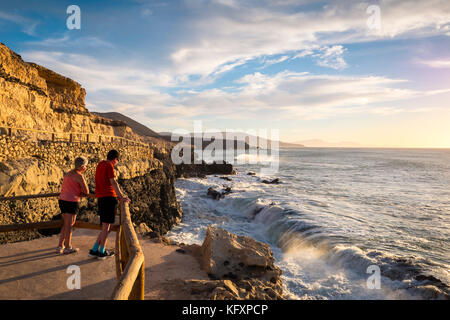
(376,73)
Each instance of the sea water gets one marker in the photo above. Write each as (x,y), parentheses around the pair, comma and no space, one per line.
(336,213)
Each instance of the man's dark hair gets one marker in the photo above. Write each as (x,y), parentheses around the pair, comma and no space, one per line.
(113,154)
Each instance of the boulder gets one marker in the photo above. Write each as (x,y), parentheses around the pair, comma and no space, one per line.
(226,255)
(143,229)
(28,176)
(239,268)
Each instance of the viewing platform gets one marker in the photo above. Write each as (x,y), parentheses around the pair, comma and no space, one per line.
(139,270)
(33,269)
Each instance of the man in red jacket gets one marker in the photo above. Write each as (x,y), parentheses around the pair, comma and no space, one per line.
(107,191)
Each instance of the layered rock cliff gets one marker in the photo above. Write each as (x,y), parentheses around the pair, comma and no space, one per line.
(33,97)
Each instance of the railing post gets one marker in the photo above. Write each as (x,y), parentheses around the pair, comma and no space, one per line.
(10,132)
(53,137)
(71,137)
(119,268)
(138,291)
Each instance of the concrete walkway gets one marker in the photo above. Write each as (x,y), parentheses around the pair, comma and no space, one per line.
(33,270)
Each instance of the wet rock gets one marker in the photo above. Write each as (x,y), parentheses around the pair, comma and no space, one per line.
(226,190)
(274,181)
(218,195)
(214,193)
(251,173)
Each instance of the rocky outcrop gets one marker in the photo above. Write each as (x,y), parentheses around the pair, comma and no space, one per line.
(35,97)
(239,267)
(203,169)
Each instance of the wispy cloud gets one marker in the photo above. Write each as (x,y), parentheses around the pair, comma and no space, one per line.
(28,25)
(439,63)
(66,41)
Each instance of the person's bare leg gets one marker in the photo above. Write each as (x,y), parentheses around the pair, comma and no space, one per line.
(62,234)
(104,235)
(71,222)
(68,229)
(99,238)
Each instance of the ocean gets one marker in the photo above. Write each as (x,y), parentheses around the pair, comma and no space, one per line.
(342,223)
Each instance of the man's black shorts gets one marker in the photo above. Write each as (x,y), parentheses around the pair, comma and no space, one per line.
(68,206)
(107,207)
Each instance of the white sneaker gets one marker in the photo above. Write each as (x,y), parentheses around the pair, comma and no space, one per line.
(70,250)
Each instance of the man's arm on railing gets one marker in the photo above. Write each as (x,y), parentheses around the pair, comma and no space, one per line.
(119,192)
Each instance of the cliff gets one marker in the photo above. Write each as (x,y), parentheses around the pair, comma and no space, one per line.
(34,97)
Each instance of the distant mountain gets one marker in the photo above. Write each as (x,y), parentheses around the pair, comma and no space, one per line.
(317,143)
(252,141)
(136,126)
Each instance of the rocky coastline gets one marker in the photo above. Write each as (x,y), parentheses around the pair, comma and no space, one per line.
(35,98)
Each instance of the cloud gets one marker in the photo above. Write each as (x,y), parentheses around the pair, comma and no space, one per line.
(283,96)
(440,63)
(28,25)
(66,41)
(245,30)
(299,96)
(269,62)
(331,57)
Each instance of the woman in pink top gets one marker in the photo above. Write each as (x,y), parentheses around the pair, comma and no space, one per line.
(74,187)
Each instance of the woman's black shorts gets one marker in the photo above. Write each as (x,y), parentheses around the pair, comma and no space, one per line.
(107,207)
(68,206)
